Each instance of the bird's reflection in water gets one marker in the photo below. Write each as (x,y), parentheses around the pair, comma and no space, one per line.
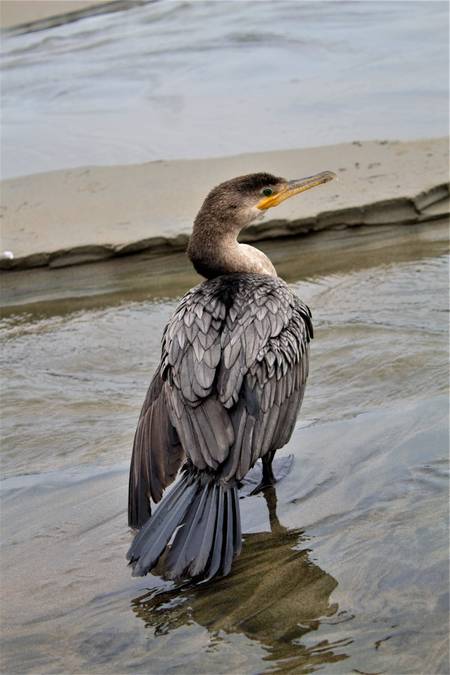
(275,595)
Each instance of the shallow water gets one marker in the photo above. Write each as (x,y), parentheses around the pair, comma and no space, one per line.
(349,573)
(177,79)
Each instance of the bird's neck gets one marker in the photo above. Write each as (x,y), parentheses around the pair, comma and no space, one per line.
(216,252)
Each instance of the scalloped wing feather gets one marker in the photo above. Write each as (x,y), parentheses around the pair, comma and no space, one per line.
(231,381)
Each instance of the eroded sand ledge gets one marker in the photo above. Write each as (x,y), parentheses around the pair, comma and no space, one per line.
(82,215)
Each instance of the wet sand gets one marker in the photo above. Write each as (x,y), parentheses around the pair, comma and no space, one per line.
(93,213)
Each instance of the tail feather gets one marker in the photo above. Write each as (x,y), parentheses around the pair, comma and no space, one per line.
(205,534)
(228,536)
(204,516)
(182,551)
(213,568)
(152,539)
(237,541)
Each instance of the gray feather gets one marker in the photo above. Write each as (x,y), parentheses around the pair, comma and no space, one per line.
(233,369)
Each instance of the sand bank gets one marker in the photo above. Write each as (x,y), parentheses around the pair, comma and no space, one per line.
(24,16)
(92,213)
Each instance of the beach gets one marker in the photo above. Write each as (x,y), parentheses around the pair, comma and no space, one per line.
(92,213)
(29,15)
(357,554)
(118,118)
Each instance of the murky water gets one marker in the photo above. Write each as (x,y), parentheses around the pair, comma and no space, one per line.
(344,566)
(180,79)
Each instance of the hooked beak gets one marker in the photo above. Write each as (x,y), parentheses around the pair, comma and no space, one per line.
(294,187)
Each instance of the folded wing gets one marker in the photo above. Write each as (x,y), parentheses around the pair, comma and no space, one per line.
(231,381)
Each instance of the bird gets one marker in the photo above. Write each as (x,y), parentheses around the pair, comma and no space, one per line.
(226,393)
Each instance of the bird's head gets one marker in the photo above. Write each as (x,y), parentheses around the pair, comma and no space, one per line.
(240,201)
(230,207)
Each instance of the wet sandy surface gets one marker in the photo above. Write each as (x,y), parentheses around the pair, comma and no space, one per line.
(350,572)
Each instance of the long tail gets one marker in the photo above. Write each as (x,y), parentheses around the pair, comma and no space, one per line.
(204,515)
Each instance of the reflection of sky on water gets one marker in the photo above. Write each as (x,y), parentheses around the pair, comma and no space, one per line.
(180,79)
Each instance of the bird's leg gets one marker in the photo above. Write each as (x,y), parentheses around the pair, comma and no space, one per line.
(272,472)
(268,477)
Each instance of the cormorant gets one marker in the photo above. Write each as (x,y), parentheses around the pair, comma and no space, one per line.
(227,391)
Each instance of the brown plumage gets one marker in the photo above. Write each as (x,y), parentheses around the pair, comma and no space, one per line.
(227,392)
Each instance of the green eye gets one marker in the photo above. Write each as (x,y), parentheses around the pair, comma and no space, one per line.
(267,192)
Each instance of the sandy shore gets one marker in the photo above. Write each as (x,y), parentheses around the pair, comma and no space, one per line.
(31,15)
(93,213)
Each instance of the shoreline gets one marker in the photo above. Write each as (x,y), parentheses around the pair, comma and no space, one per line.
(76,216)
(28,16)
(137,278)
